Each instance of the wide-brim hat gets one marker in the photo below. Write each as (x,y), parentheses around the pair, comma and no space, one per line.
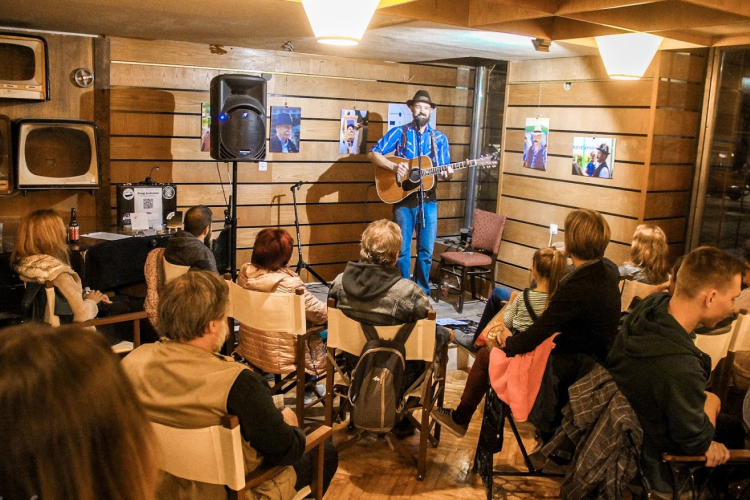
(284,119)
(604,148)
(538,129)
(421,96)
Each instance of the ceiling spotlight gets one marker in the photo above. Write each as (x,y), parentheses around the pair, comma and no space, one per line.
(288,46)
(541,45)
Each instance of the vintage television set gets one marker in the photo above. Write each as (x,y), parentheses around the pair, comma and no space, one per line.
(6,155)
(157,201)
(62,154)
(24,67)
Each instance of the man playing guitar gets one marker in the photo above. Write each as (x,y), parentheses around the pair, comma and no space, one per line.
(409,142)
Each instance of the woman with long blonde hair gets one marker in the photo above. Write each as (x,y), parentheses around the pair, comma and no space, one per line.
(648,256)
(41,254)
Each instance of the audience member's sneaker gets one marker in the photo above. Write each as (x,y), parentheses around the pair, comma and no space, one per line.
(444,416)
(310,395)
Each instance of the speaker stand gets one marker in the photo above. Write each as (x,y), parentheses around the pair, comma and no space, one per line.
(301,264)
(233,222)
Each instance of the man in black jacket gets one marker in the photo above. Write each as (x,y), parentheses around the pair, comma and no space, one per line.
(188,247)
(663,374)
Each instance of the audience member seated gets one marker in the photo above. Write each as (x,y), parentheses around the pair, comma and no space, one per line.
(41,254)
(72,426)
(183,382)
(585,310)
(268,272)
(373,292)
(547,269)
(189,247)
(648,256)
(663,374)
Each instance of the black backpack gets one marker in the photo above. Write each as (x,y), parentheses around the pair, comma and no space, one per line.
(376,391)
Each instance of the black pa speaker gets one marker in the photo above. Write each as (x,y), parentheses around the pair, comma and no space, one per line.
(6,156)
(238,118)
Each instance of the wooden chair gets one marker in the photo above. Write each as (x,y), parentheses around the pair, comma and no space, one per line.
(347,335)
(51,319)
(214,455)
(683,470)
(282,314)
(480,258)
(717,345)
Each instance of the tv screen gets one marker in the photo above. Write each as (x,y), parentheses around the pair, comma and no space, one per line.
(57,153)
(23,67)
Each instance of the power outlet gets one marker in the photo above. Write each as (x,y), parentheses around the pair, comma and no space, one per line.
(262,166)
(553,229)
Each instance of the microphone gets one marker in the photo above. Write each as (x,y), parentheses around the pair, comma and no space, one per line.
(296,186)
(416,122)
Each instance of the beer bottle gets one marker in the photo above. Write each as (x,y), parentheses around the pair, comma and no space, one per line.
(73,230)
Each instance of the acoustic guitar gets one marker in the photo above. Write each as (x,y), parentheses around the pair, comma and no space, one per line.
(392,188)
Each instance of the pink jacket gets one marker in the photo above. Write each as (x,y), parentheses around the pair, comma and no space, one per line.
(274,352)
(517,379)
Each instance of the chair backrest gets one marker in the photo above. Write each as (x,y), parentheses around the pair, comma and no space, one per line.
(210,454)
(172,271)
(741,334)
(273,312)
(488,231)
(630,290)
(715,346)
(347,334)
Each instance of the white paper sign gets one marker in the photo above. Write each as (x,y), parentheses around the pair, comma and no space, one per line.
(148,201)
(139,222)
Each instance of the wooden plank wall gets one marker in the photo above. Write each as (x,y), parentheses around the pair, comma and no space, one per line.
(157,89)
(636,113)
(67,102)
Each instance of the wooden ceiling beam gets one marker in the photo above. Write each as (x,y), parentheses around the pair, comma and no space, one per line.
(438,11)
(567,7)
(486,12)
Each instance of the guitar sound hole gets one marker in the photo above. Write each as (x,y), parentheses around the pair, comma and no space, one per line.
(414,175)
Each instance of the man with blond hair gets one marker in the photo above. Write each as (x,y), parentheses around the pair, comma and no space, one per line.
(184,382)
(663,374)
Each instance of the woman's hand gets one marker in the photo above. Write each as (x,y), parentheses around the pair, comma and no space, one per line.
(96,296)
(501,334)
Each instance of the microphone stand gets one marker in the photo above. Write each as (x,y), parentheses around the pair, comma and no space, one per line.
(421,186)
(301,264)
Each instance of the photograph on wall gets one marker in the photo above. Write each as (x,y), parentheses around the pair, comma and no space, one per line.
(536,135)
(285,129)
(594,156)
(400,114)
(205,126)
(353,134)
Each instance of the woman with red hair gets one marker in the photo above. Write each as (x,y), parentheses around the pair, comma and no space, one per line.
(268,272)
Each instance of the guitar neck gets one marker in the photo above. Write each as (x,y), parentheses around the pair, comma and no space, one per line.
(455,166)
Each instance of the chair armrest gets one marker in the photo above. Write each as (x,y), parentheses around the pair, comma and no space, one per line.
(315,329)
(266,472)
(316,438)
(735,456)
(110,320)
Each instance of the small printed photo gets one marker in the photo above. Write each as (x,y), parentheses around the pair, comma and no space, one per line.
(285,129)
(353,134)
(536,135)
(205,126)
(594,156)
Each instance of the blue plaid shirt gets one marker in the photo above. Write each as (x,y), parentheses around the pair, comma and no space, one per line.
(393,139)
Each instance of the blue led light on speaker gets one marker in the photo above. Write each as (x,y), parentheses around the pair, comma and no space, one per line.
(244,114)
(223,117)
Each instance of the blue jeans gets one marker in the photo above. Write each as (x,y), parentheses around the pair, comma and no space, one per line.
(409,221)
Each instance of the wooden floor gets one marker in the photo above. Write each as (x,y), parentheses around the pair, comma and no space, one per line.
(369,470)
